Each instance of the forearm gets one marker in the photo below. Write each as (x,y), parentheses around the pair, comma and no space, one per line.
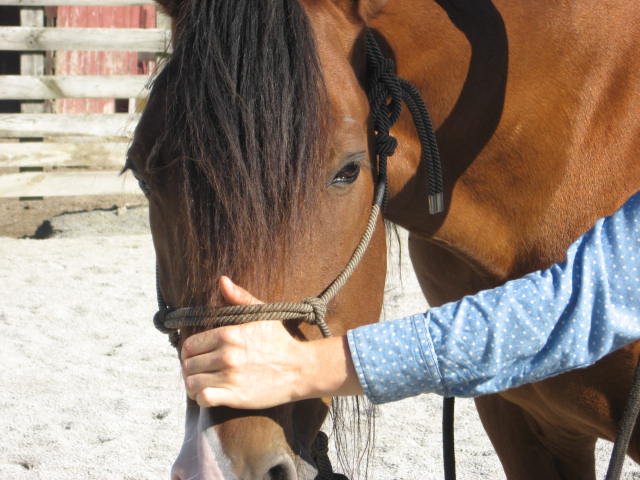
(547,322)
(562,318)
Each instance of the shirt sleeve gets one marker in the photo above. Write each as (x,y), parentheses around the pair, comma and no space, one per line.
(550,321)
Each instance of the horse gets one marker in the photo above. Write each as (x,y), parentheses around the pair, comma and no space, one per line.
(255,151)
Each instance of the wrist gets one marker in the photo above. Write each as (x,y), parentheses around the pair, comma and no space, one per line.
(331,371)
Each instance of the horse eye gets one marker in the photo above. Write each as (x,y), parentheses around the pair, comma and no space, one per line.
(347,175)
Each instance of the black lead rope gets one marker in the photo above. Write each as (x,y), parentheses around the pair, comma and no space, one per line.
(627,423)
(448,439)
(386,93)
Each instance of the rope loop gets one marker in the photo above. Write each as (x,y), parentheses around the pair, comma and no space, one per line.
(385,97)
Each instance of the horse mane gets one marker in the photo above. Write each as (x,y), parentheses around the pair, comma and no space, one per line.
(243,126)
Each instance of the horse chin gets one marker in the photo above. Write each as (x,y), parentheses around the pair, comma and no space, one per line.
(202,456)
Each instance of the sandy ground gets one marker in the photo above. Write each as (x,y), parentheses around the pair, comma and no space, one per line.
(89,389)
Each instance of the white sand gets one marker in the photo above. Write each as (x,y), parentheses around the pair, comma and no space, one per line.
(89,389)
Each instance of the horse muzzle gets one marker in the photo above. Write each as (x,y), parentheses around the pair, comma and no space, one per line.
(203,455)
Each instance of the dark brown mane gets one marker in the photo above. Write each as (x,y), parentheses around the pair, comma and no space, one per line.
(243,131)
(243,128)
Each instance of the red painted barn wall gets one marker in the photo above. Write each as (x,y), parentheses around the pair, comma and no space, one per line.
(100,63)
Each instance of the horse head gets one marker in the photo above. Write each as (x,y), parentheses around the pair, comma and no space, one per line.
(254,153)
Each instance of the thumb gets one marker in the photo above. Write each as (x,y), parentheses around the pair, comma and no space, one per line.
(234,294)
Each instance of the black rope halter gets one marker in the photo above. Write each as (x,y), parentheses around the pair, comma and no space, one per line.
(384,84)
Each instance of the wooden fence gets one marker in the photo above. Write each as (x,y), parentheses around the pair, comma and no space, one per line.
(43,153)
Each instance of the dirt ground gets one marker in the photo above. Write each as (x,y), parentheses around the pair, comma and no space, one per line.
(90,390)
(21,218)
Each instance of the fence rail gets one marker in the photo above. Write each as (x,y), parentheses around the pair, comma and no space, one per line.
(74,3)
(106,39)
(29,87)
(72,154)
(63,184)
(38,125)
(98,155)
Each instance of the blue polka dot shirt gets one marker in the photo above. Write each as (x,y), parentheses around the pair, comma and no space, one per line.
(566,317)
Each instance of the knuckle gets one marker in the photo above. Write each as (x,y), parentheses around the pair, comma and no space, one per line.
(232,378)
(226,335)
(185,364)
(189,384)
(187,347)
(227,358)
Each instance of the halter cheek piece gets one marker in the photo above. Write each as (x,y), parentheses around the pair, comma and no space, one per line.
(386,92)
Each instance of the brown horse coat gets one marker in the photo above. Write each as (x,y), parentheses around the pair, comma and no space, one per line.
(537,107)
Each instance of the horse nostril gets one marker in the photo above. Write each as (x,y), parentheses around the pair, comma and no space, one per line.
(277,473)
(283,469)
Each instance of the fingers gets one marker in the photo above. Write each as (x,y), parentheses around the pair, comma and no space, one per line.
(194,384)
(234,294)
(199,389)
(215,397)
(200,343)
(214,390)
(208,362)
(209,340)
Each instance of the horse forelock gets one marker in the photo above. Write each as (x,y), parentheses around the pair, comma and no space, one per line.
(244,123)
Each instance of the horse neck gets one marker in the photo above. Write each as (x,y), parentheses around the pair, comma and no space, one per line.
(536,115)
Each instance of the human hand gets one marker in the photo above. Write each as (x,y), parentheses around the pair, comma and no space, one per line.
(260,365)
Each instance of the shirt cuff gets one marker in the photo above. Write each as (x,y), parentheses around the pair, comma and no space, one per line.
(395,359)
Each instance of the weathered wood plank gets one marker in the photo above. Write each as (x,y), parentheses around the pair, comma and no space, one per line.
(108,39)
(75,3)
(22,87)
(60,184)
(31,63)
(89,155)
(26,125)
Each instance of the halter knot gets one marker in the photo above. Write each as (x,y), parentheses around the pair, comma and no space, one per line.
(160,318)
(385,144)
(318,307)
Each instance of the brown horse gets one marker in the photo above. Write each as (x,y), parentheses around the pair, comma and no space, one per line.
(254,152)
